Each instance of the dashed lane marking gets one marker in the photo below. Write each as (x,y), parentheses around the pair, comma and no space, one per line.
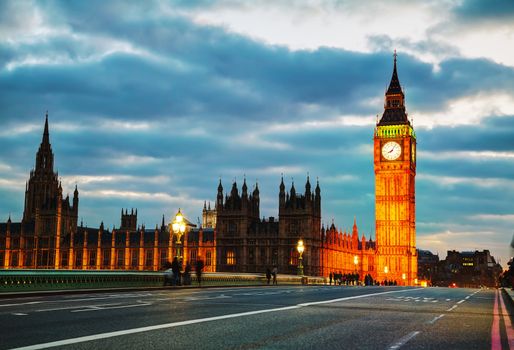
(403,340)
(19,314)
(18,304)
(435,319)
(452,308)
(461,301)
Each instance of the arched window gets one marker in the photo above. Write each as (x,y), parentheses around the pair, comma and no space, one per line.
(231,257)
(293,257)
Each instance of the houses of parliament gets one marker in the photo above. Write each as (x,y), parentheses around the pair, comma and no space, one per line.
(233,237)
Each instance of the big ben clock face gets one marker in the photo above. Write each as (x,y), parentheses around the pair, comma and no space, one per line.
(391,150)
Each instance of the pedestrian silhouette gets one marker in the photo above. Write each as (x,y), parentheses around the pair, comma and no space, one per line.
(175,267)
(199,268)
(274,273)
(268,274)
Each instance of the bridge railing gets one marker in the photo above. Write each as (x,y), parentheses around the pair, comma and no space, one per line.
(39,280)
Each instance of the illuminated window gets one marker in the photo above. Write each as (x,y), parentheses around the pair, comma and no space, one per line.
(231,257)
(134,262)
(92,258)
(149,258)
(208,258)
(106,261)
(293,257)
(192,256)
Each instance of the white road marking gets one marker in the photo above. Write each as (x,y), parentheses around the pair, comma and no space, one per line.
(97,308)
(467,297)
(435,319)
(461,301)
(448,299)
(453,307)
(403,340)
(19,314)
(195,321)
(222,296)
(18,304)
(76,307)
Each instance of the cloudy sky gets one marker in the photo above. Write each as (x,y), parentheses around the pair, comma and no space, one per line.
(150,103)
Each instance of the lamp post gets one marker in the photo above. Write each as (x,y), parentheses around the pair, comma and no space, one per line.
(404,276)
(386,270)
(356,262)
(178,226)
(300,247)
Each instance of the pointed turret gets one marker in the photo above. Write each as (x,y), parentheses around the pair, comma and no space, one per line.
(219,197)
(308,188)
(282,193)
(45,156)
(394,85)
(46,134)
(244,189)
(293,190)
(256,190)
(394,106)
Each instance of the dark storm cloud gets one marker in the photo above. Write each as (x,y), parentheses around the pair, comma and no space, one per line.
(204,72)
(492,9)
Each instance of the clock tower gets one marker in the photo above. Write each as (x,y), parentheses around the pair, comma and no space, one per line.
(395,203)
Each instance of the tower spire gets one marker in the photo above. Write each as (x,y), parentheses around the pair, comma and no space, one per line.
(394,106)
(46,134)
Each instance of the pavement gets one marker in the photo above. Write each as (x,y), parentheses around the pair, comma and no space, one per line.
(264,317)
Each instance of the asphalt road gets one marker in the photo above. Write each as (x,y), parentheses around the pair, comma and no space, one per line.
(269,317)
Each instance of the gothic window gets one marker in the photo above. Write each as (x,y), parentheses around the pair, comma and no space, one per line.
(14,259)
(120,263)
(78,258)
(92,258)
(134,258)
(293,257)
(106,257)
(149,258)
(251,256)
(232,228)
(263,256)
(208,258)
(29,258)
(231,257)
(192,256)
(274,258)
(164,257)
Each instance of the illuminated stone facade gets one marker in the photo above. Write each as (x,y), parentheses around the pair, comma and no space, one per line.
(395,204)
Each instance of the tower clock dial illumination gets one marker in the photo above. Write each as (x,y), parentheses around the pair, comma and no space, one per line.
(391,150)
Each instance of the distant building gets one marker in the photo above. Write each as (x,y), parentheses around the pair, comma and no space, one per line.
(469,269)
(427,265)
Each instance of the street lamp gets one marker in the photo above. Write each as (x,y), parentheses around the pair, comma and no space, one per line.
(179,227)
(300,247)
(386,270)
(404,276)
